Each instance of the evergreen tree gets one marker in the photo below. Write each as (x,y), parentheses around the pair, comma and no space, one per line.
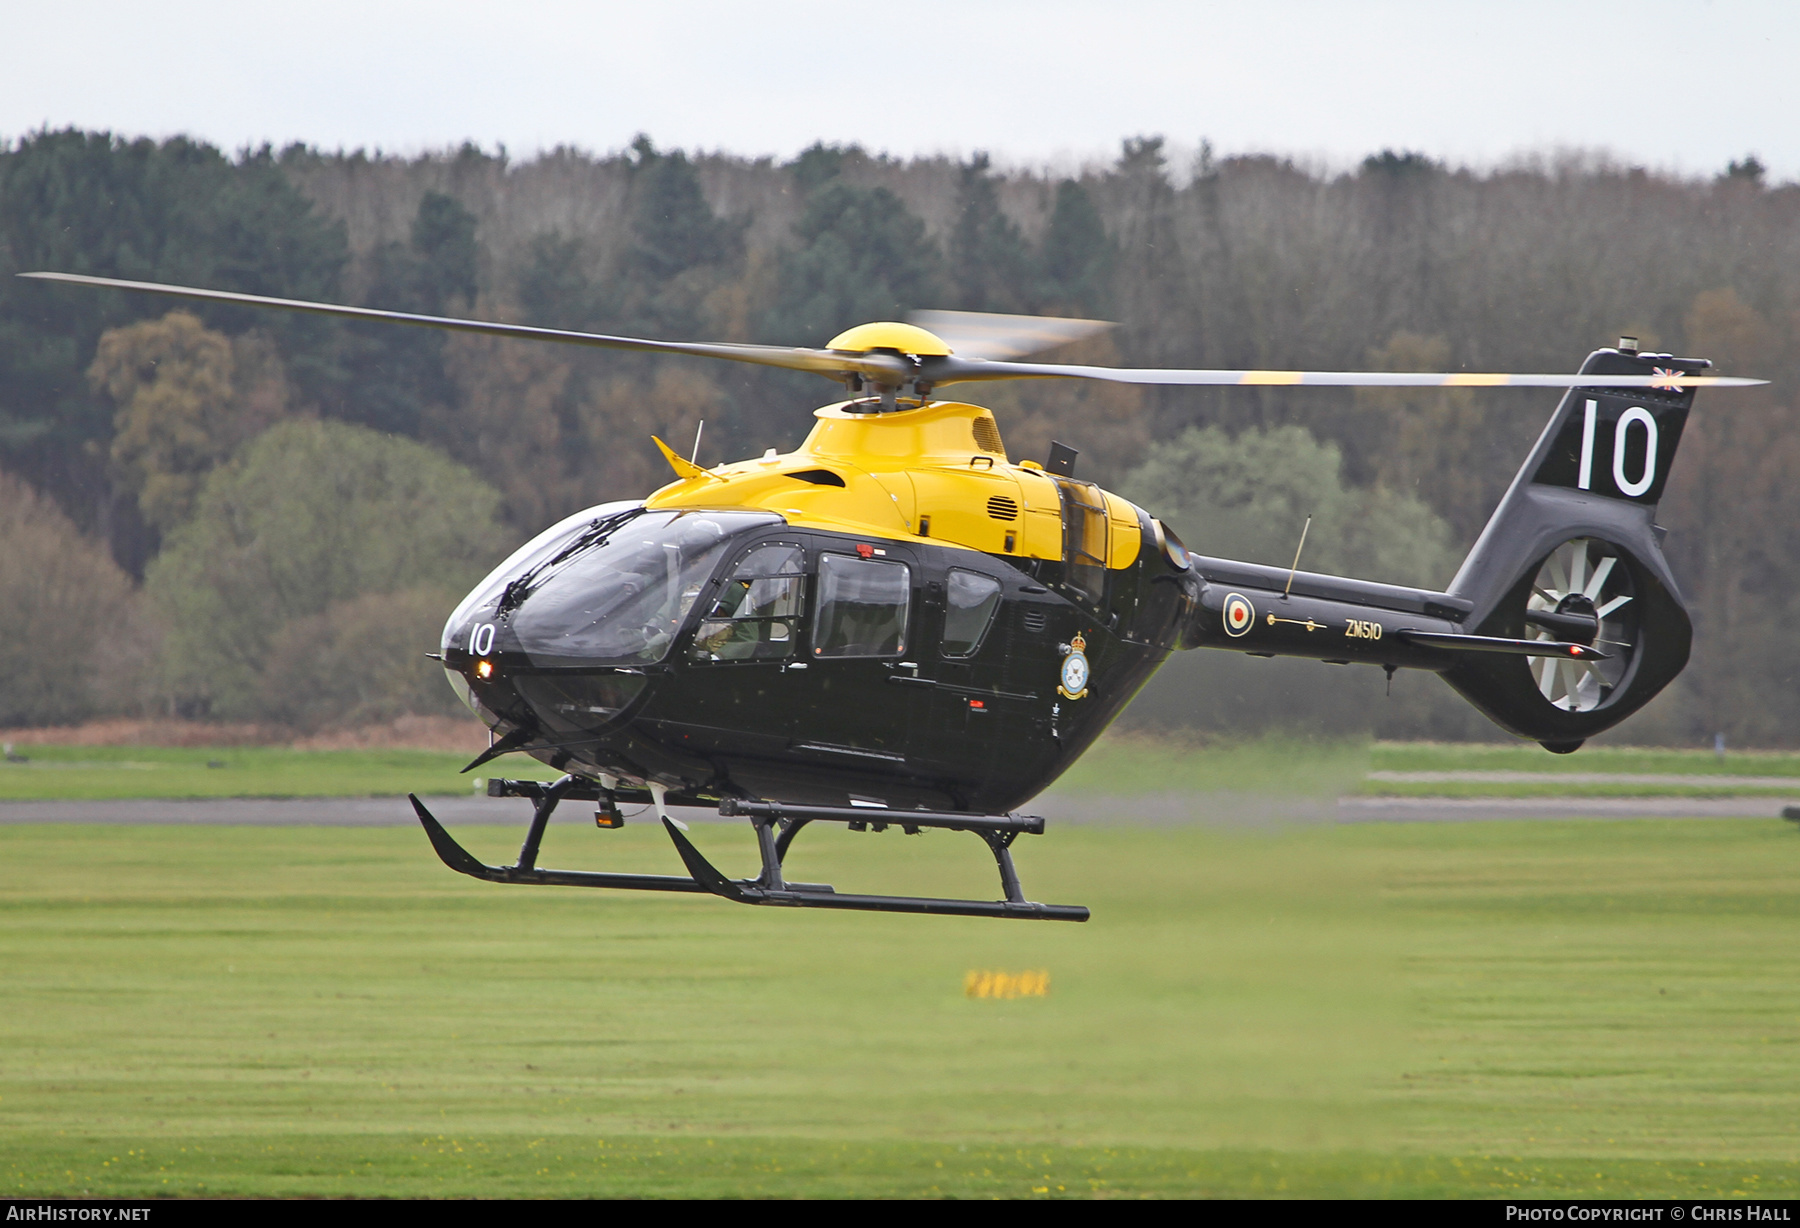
(820,163)
(673,228)
(444,255)
(680,250)
(991,268)
(862,256)
(393,372)
(1077,256)
(1152,266)
(554,287)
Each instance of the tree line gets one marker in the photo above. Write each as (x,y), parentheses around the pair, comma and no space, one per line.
(130,424)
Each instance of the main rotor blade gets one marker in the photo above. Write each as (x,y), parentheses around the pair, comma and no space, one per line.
(893,370)
(886,368)
(954,370)
(984,334)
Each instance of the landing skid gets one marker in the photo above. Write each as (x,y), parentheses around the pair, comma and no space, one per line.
(776,825)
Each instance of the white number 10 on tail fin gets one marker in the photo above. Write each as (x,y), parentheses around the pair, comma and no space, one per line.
(1633,428)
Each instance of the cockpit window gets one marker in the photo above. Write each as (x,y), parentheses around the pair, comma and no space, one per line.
(757,613)
(973,598)
(622,597)
(1084,538)
(862,607)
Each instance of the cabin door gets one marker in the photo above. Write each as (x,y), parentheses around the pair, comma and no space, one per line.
(859,656)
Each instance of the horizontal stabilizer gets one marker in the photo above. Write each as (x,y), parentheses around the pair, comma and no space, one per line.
(1492,643)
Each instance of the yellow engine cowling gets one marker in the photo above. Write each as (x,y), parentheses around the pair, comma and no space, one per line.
(937,472)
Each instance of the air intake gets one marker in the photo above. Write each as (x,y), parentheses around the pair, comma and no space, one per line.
(1035,619)
(818,477)
(1002,508)
(987,436)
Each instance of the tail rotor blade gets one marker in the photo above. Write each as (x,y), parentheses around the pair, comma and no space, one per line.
(1597,582)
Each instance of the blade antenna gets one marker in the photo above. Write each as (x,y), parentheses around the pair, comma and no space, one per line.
(1296,567)
(695,460)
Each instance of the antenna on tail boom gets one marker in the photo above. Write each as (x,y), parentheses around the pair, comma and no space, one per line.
(1297,549)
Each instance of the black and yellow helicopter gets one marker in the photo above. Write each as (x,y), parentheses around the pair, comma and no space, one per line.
(896,625)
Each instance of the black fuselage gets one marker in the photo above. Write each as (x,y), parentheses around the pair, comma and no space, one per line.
(913,718)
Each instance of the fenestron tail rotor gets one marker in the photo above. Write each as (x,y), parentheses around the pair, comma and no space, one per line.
(911,359)
(1583,589)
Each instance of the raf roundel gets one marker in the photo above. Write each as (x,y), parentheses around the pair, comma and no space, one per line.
(1240,615)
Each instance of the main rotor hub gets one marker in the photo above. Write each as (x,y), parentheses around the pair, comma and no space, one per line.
(907,339)
(907,342)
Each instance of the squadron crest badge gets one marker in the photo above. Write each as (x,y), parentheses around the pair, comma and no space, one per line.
(1074,670)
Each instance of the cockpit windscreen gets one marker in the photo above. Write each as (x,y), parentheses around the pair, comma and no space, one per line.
(622,597)
(527,559)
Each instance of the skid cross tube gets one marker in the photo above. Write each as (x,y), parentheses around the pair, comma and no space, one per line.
(797,895)
(881,817)
(1001,843)
(540,817)
(997,831)
(775,825)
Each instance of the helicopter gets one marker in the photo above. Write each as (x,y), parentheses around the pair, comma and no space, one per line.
(895,625)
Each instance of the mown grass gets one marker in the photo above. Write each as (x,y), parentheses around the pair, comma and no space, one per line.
(1568,789)
(1125,763)
(1120,764)
(1494,1009)
(88,773)
(1526,757)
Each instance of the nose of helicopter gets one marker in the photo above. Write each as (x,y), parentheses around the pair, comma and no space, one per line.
(610,591)
(470,657)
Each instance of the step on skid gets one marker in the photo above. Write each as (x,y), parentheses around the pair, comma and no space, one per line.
(776,824)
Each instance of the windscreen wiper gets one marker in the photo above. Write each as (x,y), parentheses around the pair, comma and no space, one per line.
(596,534)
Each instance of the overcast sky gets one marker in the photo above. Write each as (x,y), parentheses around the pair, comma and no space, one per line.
(1676,86)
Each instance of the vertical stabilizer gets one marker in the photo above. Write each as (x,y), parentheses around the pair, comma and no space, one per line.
(1573,553)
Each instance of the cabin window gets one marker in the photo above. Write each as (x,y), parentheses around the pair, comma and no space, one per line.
(1084,538)
(863,604)
(757,613)
(971,599)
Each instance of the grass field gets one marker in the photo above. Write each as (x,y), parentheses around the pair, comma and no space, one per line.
(1554,771)
(1526,757)
(1124,764)
(1120,764)
(1494,1009)
(89,773)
